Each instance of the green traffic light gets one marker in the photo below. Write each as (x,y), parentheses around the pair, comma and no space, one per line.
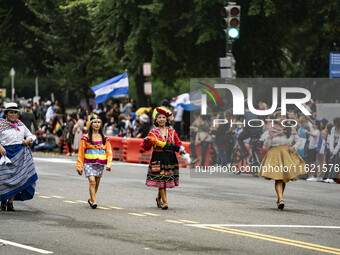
(233,33)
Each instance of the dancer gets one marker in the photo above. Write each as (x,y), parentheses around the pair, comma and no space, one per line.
(163,169)
(17,169)
(94,153)
(282,162)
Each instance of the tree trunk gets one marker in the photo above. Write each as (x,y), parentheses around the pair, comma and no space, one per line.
(141,97)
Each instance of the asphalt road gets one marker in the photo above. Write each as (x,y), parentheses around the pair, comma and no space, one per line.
(232,215)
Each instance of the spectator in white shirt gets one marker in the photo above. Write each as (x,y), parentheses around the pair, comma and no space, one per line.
(313,143)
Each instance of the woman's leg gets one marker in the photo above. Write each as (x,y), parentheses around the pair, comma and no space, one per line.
(92,189)
(279,189)
(283,188)
(203,152)
(163,195)
(159,197)
(97,183)
(11,200)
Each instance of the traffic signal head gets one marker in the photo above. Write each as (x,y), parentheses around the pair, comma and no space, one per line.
(231,17)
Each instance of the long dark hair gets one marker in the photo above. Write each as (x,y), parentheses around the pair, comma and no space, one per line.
(287,129)
(100,131)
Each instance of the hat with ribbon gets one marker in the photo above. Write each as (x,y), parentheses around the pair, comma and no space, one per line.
(11,107)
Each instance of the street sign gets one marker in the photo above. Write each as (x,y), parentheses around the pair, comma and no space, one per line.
(3,93)
(334,65)
(147,88)
(147,69)
(225,62)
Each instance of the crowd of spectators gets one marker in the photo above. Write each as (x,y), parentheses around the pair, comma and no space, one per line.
(56,128)
(320,146)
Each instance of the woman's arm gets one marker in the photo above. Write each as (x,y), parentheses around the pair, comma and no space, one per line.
(28,136)
(108,153)
(146,144)
(81,155)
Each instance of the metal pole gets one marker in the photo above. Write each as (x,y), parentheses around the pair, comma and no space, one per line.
(12,73)
(36,86)
(12,88)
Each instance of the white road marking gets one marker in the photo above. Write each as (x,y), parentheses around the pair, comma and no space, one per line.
(261,226)
(56,160)
(71,161)
(26,247)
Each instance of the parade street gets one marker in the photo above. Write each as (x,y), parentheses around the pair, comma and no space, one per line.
(234,215)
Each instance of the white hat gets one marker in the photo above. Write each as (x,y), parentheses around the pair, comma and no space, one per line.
(144,118)
(48,102)
(11,107)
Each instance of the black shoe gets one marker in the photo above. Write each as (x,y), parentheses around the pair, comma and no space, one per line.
(158,205)
(90,203)
(165,207)
(281,205)
(94,206)
(10,207)
(3,205)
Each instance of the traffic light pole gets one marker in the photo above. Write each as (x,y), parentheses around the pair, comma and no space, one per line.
(229,47)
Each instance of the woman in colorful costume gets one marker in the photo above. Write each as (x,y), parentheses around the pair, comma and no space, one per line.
(94,153)
(17,169)
(282,162)
(163,171)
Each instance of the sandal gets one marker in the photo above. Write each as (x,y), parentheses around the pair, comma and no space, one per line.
(158,205)
(280,205)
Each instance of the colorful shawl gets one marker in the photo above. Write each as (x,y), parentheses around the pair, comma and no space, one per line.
(5,125)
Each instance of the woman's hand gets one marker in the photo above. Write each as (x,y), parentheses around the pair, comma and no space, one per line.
(3,151)
(183,152)
(292,149)
(27,142)
(108,169)
(80,172)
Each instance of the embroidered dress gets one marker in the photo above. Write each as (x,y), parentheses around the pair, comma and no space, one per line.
(92,158)
(168,176)
(18,177)
(280,163)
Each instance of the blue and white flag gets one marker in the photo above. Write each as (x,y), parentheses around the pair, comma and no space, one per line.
(189,101)
(115,87)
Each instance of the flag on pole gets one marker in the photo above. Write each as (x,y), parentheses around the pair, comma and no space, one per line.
(189,101)
(57,128)
(115,87)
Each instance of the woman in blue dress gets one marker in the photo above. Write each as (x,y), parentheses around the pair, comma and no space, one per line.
(17,169)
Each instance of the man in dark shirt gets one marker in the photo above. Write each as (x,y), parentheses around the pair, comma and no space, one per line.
(27,117)
(248,131)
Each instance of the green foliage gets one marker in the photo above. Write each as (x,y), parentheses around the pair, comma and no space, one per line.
(75,44)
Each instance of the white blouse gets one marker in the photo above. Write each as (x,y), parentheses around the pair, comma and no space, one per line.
(13,136)
(280,140)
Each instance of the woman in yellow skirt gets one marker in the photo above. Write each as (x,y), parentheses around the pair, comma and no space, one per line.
(282,162)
